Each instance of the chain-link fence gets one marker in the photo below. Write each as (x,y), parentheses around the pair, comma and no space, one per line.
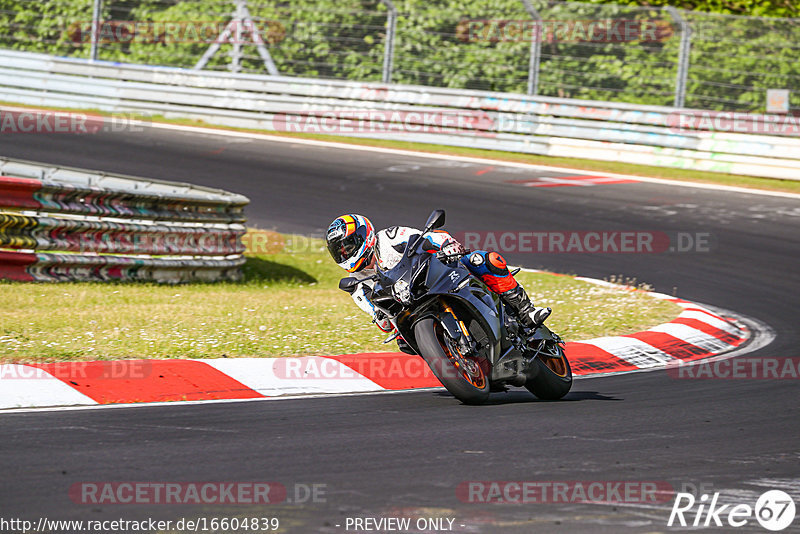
(645,55)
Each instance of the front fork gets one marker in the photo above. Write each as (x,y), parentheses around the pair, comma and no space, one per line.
(465,344)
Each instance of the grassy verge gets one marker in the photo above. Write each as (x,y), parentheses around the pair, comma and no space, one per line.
(670,173)
(287,305)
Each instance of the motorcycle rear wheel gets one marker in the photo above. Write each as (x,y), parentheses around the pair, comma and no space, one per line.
(467,378)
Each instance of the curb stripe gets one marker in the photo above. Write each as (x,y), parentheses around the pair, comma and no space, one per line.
(150,381)
(713,320)
(586,359)
(41,389)
(674,346)
(691,335)
(393,370)
(695,334)
(722,335)
(634,351)
(272,377)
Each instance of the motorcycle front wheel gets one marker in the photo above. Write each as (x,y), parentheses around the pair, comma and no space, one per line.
(466,377)
(553,378)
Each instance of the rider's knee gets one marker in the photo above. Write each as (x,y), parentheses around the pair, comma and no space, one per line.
(492,269)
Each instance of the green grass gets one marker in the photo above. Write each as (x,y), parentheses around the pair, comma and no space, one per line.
(287,305)
(670,173)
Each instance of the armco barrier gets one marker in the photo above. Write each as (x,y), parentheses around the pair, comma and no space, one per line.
(504,121)
(99,227)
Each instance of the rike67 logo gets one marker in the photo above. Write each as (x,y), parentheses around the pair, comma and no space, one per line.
(774,510)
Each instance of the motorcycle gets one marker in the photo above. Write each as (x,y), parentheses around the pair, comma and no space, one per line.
(461,328)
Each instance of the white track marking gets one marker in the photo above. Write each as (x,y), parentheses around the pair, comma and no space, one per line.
(482,161)
(212,401)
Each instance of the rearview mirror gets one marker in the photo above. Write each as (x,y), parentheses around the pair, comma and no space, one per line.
(436,220)
(349,284)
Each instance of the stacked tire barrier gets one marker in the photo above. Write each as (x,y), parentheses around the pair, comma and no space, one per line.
(651,135)
(62,224)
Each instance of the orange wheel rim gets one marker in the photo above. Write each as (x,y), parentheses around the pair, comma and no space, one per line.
(478,379)
(555,362)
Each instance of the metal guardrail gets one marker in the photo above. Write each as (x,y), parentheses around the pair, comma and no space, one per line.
(629,133)
(100,227)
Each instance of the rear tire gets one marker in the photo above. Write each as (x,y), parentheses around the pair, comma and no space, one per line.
(467,381)
(554,377)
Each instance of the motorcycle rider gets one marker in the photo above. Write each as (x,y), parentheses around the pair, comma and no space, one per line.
(358,249)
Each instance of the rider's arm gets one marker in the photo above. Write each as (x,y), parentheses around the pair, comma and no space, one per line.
(440,240)
(363,302)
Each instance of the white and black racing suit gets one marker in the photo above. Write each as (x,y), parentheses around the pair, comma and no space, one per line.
(389,248)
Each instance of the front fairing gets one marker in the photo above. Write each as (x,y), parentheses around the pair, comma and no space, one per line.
(431,280)
(444,280)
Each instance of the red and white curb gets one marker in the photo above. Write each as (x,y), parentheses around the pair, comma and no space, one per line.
(697,333)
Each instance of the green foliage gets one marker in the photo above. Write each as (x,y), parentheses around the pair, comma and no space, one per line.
(43,26)
(756,54)
(755,8)
(733,59)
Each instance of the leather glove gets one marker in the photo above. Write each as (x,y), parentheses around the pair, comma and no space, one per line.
(452,248)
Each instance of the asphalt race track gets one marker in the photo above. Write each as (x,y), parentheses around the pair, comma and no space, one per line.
(389,455)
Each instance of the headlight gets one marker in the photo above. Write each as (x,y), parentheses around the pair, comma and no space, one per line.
(402,292)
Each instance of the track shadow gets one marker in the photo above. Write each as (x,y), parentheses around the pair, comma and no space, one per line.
(588,395)
(261,270)
(516,396)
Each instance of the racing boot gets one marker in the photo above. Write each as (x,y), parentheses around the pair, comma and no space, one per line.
(528,314)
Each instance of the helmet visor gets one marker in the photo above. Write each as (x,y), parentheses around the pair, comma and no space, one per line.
(345,248)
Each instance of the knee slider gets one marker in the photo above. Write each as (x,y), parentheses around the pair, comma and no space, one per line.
(497,264)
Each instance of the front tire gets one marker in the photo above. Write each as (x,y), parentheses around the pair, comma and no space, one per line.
(553,378)
(467,378)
